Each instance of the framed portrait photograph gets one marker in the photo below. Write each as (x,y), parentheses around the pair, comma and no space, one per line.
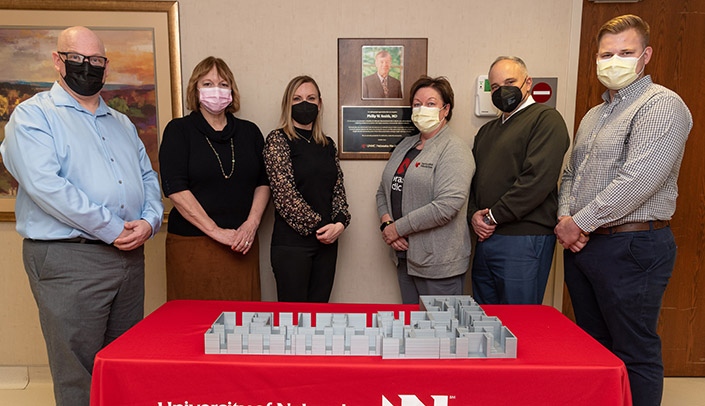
(374,79)
(382,72)
(142,46)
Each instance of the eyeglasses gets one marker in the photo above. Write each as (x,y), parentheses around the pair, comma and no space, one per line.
(431,105)
(78,59)
(508,82)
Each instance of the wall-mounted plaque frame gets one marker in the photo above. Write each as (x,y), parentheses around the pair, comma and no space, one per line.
(374,79)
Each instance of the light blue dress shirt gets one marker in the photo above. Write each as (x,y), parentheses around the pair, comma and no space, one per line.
(80,174)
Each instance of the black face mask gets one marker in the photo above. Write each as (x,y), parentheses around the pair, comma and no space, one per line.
(508,98)
(84,79)
(304,113)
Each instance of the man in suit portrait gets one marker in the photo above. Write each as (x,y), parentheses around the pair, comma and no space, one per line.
(380,85)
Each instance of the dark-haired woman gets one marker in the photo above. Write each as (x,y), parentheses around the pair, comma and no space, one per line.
(423,195)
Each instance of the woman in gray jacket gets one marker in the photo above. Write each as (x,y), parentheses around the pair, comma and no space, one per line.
(424,188)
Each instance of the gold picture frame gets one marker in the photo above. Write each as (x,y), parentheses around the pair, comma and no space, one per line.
(160,18)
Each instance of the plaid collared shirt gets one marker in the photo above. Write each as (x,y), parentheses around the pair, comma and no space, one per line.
(626,158)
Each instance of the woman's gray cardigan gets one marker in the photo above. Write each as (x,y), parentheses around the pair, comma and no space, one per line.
(434,204)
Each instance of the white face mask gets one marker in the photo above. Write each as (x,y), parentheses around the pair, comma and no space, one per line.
(426,118)
(618,72)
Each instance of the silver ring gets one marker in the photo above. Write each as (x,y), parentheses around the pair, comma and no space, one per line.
(247,243)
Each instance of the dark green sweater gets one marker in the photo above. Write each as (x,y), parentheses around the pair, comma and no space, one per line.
(518,167)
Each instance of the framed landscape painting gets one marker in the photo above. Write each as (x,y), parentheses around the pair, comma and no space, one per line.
(144,77)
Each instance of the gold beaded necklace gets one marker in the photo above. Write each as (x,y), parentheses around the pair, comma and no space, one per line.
(232,151)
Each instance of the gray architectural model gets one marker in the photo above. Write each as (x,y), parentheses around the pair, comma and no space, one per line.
(445,327)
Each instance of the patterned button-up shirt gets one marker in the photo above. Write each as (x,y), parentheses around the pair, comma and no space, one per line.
(626,158)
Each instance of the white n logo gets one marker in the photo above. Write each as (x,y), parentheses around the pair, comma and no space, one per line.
(412,400)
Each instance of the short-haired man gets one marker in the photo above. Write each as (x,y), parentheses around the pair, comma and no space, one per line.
(87,201)
(514,194)
(380,85)
(618,194)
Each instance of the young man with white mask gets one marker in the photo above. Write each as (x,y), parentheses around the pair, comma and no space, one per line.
(617,197)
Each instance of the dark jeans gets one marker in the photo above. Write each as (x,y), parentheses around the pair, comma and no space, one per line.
(304,274)
(616,284)
(512,269)
(87,296)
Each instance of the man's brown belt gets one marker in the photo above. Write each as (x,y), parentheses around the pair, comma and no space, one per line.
(630,227)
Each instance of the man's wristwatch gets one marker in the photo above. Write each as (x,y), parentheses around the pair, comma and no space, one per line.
(487,219)
(385,224)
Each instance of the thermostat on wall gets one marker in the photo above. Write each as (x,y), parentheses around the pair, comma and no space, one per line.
(483,98)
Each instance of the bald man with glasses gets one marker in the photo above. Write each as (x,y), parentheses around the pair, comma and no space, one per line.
(87,201)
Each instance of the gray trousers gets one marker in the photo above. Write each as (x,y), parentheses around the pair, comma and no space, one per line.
(413,286)
(87,295)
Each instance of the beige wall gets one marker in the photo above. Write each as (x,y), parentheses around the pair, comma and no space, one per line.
(266,43)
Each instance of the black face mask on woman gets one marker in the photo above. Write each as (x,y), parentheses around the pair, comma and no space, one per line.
(84,79)
(508,98)
(304,113)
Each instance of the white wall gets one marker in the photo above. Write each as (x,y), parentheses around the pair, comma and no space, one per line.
(266,43)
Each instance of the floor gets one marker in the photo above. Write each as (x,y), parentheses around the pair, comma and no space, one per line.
(677,391)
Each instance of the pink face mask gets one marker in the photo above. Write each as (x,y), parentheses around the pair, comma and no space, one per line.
(215,99)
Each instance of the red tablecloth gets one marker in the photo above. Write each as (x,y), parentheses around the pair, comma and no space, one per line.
(161,362)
